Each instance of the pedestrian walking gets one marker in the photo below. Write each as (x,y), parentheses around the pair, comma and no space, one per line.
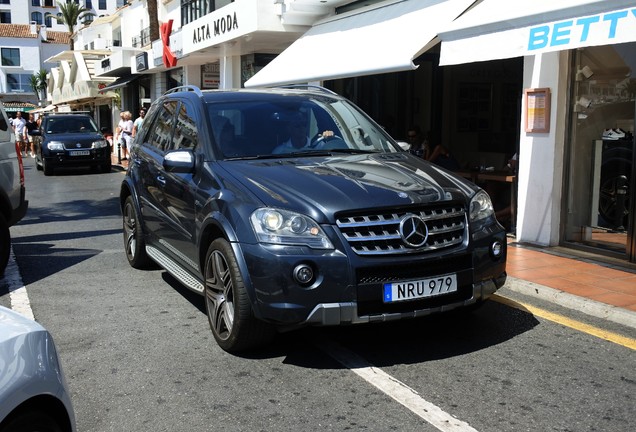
(31,125)
(19,128)
(124,133)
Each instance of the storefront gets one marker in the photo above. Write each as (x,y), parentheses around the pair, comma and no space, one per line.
(576,186)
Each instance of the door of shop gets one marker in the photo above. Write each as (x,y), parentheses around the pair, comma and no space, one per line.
(601,195)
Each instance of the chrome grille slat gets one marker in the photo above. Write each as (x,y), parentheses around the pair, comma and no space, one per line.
(379,234)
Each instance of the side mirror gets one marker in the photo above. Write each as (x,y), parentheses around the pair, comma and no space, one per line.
(404,145)
(179,161)
(35,132)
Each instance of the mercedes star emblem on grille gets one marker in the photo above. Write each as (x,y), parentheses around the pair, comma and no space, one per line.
(413,230)
(78,145)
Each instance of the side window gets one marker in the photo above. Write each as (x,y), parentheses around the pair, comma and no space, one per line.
(160,136)
(186,133)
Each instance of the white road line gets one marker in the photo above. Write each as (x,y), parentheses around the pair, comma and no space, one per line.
(17,291)
(397,390)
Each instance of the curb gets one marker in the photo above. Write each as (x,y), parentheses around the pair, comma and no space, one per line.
(587,306)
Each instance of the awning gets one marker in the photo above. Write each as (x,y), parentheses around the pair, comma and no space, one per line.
(369,41)
(18,106)
(120,82)
(498,29)
(47,108)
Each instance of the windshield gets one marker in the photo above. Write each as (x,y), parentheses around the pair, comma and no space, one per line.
(70,124)
(290,125)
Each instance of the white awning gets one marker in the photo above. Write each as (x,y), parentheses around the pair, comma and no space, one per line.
(498,29)
(367,41)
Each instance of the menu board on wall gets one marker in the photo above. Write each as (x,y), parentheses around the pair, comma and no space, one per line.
(537,107)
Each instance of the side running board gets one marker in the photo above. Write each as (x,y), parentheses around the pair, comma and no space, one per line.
(174,269)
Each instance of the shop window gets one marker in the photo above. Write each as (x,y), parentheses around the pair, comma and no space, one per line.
(601,148)
(10,56)
(19,83)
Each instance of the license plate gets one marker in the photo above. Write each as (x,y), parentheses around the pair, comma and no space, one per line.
(422,288)
(80,153)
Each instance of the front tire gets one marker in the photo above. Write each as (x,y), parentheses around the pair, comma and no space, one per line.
(134,243)
(38,421)
(230,314)
(47,167)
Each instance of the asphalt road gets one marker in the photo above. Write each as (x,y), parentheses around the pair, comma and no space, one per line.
(139,355)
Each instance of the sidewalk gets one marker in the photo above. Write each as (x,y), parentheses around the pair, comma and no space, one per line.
(600,289)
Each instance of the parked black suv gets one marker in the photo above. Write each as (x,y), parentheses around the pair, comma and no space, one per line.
(70,139)
(343,227)
(13,205)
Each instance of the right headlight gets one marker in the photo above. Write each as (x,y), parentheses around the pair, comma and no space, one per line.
(284,227)
(480,207)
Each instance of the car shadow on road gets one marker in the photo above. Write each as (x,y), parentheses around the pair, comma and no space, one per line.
(430,338)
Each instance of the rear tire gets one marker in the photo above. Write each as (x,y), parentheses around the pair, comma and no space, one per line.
(230,314)
(5,244)
(134,243)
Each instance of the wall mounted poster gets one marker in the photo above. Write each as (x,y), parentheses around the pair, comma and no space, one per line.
(537,107)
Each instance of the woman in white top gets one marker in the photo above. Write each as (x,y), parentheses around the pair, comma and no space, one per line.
(124,133)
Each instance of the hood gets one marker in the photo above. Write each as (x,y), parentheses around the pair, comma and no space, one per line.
(323,186)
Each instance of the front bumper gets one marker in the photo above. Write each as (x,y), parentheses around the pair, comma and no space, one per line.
(327,314)
(96,156)
(348,289)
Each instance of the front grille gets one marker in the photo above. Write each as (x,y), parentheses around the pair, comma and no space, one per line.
(379,233)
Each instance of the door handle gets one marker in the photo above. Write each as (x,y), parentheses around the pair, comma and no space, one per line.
(161,180)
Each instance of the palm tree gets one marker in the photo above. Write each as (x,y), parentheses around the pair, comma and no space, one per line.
(38,82)
(70,13)
(154,19)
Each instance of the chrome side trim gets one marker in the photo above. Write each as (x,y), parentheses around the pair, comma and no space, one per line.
(174,269)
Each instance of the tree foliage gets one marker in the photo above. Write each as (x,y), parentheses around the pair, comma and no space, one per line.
(70,14)
(39,83)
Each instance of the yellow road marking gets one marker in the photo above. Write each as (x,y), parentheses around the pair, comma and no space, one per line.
(576,325)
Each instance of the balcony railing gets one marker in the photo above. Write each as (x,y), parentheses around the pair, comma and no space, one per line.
(142,39)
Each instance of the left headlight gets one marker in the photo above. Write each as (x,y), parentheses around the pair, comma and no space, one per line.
(284,227)
(55,146)
(100,144)
(480,207)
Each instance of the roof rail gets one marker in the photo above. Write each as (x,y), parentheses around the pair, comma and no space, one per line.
(309,87)
(186,88)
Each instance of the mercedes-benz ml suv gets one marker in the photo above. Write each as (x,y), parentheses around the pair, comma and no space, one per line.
(291,207)
(68,140)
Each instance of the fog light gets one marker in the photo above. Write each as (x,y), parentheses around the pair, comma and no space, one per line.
(496,249)
(303,274)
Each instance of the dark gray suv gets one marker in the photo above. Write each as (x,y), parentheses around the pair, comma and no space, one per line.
(290,207)
(69,140)
(13,205)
